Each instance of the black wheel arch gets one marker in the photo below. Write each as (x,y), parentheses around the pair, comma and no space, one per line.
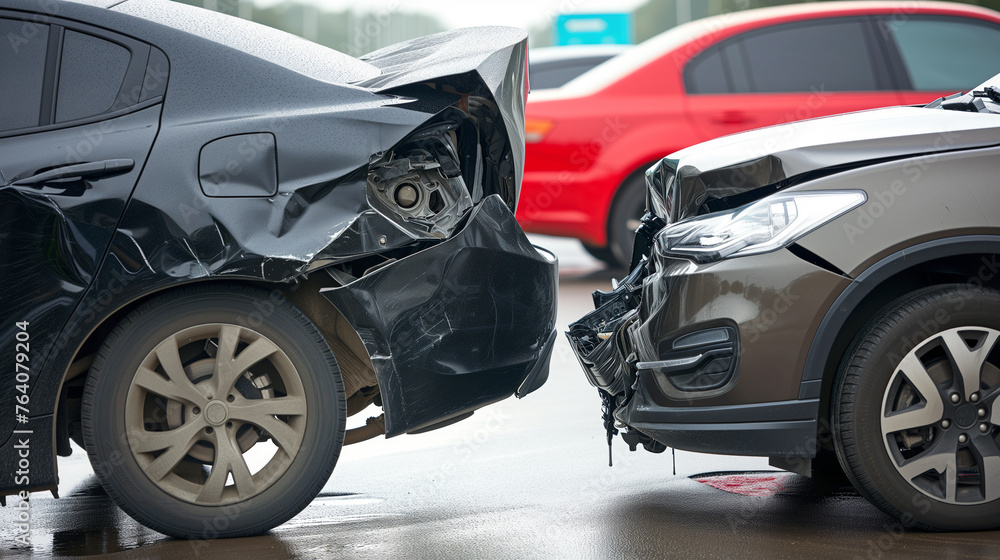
(971,259)
(318,310)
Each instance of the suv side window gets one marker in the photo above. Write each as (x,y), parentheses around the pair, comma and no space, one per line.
(831,55)
(961,56)
(23,46)
(90,75)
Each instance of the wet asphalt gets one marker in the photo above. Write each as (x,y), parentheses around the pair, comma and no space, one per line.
(520,479)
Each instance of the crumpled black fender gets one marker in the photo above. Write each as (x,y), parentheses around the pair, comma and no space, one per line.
(329,120)
(328,116)
(459,325)
(496,55)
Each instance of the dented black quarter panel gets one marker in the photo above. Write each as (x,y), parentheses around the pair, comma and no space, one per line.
(460,324)
(330,116)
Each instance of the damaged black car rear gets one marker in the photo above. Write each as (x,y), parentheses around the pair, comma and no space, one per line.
(218,241)
(822,287)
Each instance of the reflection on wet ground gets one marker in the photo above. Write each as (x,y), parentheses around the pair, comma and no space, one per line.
(669,517)
(521,479)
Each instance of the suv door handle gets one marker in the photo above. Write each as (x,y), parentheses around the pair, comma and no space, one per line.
(78,172)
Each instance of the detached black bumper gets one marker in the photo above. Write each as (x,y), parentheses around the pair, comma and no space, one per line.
(460,325)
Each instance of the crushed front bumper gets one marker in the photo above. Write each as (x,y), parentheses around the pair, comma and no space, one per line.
(709,357)
(462,324)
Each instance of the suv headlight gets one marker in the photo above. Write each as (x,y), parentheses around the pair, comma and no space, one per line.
(763,226)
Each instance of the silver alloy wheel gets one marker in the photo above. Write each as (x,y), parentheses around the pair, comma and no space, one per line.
(939,418)
(222,413)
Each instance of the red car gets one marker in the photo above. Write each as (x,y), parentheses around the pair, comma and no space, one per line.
(589,142)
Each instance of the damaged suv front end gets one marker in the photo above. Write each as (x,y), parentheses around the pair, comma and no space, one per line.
(760,258)
(699,360)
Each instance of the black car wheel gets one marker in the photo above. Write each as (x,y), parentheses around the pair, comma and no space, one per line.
(915,412)
(624,219)
(214,412)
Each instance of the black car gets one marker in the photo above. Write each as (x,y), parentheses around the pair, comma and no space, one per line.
(217,241)
(824,291)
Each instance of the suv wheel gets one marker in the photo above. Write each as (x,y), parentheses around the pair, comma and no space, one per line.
(916,413)
(214,412)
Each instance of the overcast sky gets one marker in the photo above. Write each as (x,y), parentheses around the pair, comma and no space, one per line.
(464,13)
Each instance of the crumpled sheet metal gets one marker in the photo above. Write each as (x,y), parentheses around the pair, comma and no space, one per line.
(326,132)
(325,135)
(732,165)
(496,54)
(458,325)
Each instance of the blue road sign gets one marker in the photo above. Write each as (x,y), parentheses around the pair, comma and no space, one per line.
(594,29)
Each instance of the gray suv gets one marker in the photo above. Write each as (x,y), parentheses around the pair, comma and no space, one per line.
(823,287)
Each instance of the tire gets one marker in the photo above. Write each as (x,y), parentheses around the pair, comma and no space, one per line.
(628,207)
(916,434)
(602,254)
(156,433)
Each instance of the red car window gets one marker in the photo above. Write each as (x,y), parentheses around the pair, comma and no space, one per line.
(962,55)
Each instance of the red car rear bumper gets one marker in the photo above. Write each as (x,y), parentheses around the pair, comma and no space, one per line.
(568,204)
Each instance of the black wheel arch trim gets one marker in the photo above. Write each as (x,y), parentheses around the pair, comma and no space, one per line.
(814,369)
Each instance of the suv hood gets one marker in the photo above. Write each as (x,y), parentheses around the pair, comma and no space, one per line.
(733,170)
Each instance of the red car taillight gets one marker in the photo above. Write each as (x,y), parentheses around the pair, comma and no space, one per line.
(535,130)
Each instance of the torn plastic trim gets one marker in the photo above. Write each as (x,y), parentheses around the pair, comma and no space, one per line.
(457,325)
(540,373)
(600,339)
(602,343)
